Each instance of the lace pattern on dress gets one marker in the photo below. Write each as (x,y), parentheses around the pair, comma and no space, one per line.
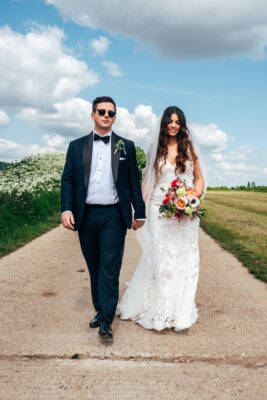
(161,293)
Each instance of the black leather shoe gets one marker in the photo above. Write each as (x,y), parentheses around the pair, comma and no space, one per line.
(105,330)
(96,321)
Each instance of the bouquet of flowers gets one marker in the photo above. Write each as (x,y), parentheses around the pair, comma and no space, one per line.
(180,202)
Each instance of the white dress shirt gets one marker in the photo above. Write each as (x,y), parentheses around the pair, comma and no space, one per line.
(101,187)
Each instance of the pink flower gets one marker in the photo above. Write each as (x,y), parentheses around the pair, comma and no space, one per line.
(181,203)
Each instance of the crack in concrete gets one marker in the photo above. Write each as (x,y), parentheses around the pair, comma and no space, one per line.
(247,362)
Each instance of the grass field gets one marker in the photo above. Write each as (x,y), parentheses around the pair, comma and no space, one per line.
(238,221)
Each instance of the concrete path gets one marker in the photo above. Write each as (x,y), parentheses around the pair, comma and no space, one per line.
(47,350)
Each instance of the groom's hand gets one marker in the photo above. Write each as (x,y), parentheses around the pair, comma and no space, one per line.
(67,220)
(137,224)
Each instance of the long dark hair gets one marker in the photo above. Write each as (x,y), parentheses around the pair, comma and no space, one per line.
(184,144)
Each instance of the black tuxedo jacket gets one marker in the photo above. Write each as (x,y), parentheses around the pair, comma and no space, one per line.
(76,173)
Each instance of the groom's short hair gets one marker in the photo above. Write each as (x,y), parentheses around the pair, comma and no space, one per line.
(102,99)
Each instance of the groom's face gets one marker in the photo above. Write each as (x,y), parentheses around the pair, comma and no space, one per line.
(104,116)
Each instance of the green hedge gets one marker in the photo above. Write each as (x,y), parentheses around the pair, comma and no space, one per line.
(24,217)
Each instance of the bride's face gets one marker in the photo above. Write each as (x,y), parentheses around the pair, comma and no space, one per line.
(174,125)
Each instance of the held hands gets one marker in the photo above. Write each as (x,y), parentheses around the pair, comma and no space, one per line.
(136,224)
(67,220)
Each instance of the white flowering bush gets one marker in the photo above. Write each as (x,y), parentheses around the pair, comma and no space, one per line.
(33,175)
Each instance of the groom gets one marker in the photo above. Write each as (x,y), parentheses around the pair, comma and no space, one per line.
(99,184)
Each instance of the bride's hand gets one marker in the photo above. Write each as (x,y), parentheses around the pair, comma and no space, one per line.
(198,192)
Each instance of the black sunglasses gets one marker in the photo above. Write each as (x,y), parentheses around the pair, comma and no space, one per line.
(102,112)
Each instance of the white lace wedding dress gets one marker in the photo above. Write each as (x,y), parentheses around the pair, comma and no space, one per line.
(161,293)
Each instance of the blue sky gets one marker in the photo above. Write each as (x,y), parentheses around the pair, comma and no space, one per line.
(207,58)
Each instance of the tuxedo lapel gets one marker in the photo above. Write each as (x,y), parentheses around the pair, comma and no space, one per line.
(115,156)
(87,158)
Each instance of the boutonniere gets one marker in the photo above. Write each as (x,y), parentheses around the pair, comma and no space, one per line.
(119,146)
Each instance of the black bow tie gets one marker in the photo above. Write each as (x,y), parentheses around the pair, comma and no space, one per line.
(104,139)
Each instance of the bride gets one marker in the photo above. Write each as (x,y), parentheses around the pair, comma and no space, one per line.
(161,293)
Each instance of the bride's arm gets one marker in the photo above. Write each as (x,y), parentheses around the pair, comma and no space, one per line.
(198,178)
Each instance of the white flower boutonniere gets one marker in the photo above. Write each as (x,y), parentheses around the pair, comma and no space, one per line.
(119,146)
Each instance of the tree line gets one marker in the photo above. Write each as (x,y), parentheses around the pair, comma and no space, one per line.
(250,187)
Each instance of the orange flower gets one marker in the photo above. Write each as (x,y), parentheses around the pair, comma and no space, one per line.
(181,202)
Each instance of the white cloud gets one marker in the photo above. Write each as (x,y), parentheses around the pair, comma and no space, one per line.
(237,156)
(236,167)
(209,137)
(176,29)
(139,126)
(240,154)
(4,120)
(100,45)
(55,142)
(224,166)
(37,71)
(11,151)
(72,118)
(112,68)
(69,118)
(217,157)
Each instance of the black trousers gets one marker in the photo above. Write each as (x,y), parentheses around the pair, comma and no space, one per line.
(102,237)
